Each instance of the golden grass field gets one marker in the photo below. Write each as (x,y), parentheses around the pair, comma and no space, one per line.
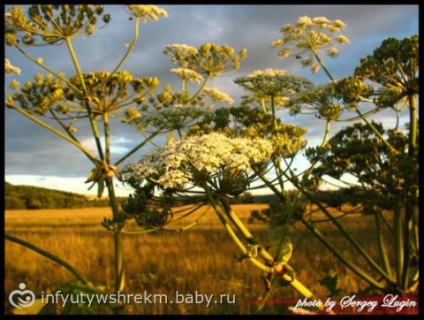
(202,258)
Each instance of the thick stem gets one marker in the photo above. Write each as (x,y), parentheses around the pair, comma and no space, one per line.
(119,262)
(294,283)
(107,137)
(245,232)
(326,133)
(412,125)
(119,253)
(85,101)
(397,228)
(233,235)
(407,234)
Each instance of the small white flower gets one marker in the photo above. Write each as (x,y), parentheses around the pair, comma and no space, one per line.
(342,39)
(146,12)
(304,21)
(188,74)
(10,69)
(195,158)
(218,96)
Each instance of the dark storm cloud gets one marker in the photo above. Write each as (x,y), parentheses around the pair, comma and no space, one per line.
(33,150)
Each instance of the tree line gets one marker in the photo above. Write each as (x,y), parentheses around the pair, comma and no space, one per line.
(29,197)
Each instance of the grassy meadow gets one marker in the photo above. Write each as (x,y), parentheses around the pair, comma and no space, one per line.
(202,258)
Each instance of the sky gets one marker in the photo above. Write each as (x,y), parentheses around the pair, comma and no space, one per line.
(34,156)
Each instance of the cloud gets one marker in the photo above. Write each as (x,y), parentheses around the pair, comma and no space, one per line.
(31,149)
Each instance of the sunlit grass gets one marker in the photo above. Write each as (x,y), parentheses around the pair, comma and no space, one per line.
(202,259)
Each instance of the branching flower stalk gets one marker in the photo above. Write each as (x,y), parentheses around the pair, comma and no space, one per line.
(218,165)
(388,59)
(100,95)
(36,29)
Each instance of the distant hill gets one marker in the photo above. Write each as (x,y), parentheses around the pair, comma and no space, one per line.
(29,197)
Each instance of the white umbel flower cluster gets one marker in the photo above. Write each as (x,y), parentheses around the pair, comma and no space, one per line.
(196,158)
(145,12)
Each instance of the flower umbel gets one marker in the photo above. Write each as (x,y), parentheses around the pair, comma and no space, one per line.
(273,83)
(210,59)
(51,24)
(145,12)
(187,74)
(218,96)
(313,35)
(196,159)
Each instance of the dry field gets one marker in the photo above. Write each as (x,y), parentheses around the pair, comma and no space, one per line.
(201,259)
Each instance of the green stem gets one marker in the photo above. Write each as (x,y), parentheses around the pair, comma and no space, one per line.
(263,105)
(322,65)
(184,89)
(50,256)
(119,262)
(277,165)
(296,284)
(354,243)
(130,48)
(327,244)
(412,125)
(119,253)
(118,245)
(58,75)
(171,137)
(136,148)
(233,235)
(358,271)
(381,246)
(58,120)
(200,89)
(245,232)
(326,133)
(107,137)
(273,112)
(76,64)
(397,227)
(373,128)
(55,131)
(408,230)
(86,102)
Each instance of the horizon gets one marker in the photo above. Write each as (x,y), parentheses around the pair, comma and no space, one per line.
(34,157)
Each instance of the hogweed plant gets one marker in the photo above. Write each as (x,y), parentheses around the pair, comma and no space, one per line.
(214,153)
(382,162)
(62,104)
(212,169)
(374,169)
